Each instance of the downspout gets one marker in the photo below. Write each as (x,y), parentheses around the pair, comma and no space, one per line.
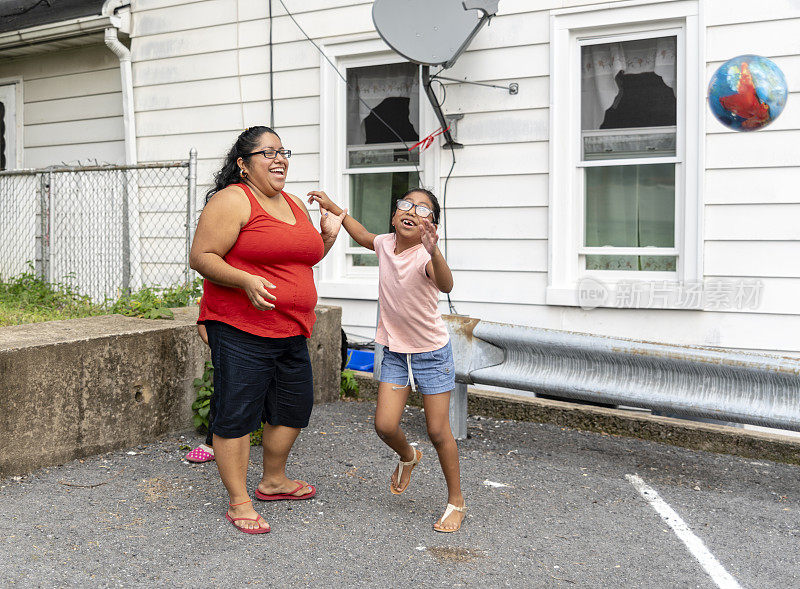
(119,21)
(131,237)
(126,74)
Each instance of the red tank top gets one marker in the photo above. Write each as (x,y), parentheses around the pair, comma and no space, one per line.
(283,254)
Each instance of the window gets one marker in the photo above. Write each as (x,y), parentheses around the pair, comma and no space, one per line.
(364,165)
(379,166)
(625,145)
(8,127)
(628,116)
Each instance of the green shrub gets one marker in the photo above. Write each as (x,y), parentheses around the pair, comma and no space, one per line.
(204,387)
(348,386)
(27,299)
(153,303)
(255,437)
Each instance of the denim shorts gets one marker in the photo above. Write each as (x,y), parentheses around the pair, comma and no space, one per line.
(258,378)
(434,372)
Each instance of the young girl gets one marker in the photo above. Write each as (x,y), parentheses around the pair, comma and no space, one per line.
(417,351)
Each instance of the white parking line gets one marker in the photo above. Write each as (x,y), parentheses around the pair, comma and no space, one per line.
(695,545)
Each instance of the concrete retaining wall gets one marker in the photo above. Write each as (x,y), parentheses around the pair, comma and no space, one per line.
(74,388)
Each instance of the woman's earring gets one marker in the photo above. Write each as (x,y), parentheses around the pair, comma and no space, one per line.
(242,173)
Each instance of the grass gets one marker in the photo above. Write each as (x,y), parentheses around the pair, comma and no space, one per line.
(28,299)
(12,313)
(154,303)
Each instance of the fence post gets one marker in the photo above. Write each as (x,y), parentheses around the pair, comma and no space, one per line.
(45,204)
(126,234)
(191,206)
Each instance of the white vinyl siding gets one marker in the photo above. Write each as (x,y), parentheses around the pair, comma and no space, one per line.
(201,74)
(751,207)
(72,106)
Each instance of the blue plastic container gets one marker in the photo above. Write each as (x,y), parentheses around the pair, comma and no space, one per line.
(363,360)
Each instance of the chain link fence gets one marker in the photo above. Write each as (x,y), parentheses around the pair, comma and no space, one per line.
(103,230)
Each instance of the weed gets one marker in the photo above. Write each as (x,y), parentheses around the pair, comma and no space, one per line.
(153,303)
(27,299)
(204,388)
(348,386)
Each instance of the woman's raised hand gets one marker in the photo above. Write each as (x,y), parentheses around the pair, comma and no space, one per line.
(256,289)
(427,232)
(324,202)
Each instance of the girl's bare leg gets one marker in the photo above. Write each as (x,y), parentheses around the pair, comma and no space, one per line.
(388,413)
(437,417)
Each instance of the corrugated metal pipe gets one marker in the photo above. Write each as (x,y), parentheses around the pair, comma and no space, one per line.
(757,389)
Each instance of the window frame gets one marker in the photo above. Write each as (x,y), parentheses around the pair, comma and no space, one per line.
(570,30)
(337,277)
(18,128)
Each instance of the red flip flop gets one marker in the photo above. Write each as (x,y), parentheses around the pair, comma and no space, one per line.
(233,520)
(289,495)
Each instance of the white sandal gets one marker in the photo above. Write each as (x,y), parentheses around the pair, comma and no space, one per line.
(450,509)
(411,464)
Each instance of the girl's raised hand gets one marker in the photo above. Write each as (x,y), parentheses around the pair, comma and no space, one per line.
(324,202)
(329,224)
(427,232)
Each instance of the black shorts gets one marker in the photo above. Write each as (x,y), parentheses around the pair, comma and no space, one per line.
(255,376)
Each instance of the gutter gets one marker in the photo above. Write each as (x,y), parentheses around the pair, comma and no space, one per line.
(112,41)
(110,23)
(56,31)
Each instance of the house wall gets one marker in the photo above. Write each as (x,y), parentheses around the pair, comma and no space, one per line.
(201,76)
(72,106)
(749,204)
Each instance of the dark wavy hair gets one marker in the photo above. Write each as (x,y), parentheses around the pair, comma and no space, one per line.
(434,201)
(246,142)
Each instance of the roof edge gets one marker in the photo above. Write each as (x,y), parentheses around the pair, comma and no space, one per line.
(58,30)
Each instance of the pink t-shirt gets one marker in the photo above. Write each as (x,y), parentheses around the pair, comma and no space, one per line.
(410,321)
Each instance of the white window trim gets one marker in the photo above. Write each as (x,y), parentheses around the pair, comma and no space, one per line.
(18,122)
(336,281)
(565,221)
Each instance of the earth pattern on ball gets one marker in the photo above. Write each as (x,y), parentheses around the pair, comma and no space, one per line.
(747,92)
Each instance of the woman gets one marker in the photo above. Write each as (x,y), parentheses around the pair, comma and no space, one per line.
(255,246)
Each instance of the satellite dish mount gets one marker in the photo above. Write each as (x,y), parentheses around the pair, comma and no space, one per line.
(432,33)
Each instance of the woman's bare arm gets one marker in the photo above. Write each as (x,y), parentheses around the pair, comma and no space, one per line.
(328,227)
(217,230)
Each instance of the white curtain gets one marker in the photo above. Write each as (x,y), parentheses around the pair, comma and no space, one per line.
(373,85)
(600,65)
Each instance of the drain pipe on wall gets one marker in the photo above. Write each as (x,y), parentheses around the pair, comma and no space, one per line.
(126,73)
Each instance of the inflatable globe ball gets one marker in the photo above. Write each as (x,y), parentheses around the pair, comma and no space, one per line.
(747,93)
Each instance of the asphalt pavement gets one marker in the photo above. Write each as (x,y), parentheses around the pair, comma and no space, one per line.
(548,507)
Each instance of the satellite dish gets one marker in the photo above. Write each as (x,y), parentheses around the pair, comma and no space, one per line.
(431,32)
